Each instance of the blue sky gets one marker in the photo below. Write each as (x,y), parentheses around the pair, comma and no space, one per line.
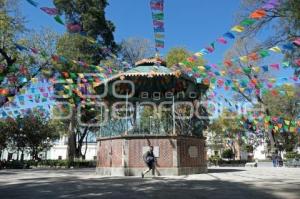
(190,23)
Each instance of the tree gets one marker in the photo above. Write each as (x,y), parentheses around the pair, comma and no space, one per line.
(227,127)
(3,136)
(284,106)
(15,139)
(32,132)
(135,49)
(39,133)
(178,55)
(88,46)
(23,55)
(284,20)
(90,16)
(228,153)
(245,73)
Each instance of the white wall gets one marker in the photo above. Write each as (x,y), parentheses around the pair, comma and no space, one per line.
(59,149)
(259,152)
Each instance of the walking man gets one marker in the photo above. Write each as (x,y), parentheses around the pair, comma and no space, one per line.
(149,159)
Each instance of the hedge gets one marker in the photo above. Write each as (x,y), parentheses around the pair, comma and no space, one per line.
(47,163)
(292,155)
(216,160)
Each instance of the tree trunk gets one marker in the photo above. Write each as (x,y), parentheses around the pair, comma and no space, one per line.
(71,150)
(80,143)
(71,146)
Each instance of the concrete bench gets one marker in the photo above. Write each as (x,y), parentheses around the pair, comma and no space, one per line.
(251,164)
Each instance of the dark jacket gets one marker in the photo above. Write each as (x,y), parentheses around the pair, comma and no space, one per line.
(148,157)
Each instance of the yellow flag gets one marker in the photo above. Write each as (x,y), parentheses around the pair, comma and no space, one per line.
(80,75)
(201,68)
(10,99)
(34,80)
(242,89)
(99,68)
(70,81)
(95,84)
(272,80)
(71,100)
(223,72)
(238,28)
(65,96)
(60,93)
(22,91)
(275,49)
(256,69)
(287,122)
(199,54)
(290,93)
(90,39)
(244,59)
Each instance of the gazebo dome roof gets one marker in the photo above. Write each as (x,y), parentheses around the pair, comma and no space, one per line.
(151,61)
(146,70)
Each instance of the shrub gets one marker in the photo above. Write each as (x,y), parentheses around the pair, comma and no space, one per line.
(214,159)
(228,153)
(48,163)
(292,155)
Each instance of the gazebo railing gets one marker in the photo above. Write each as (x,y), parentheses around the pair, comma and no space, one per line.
(152,126)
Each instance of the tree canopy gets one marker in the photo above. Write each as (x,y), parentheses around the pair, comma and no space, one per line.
(283,20)
(96,33)
(178,55)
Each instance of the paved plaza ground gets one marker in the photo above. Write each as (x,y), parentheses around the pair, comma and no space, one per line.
(218,183)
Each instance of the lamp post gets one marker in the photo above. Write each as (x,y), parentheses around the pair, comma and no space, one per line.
(20,143)
(150,124)
(47,142)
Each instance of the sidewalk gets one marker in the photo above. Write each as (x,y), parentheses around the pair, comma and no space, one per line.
(218,183)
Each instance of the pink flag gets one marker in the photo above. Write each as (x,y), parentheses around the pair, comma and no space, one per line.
(34,50)
(222,40)
(297,42)
(275,66)
(220,82)
(295,78)
(270,85)
(74,27)
(297,62)
(50,11)
(158,23)
(157,5)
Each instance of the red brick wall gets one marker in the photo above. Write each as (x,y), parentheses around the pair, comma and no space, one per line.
(184,158)
(166,147)
(107,159)
(165,152)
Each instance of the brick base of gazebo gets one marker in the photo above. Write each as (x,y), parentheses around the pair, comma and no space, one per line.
(176,155)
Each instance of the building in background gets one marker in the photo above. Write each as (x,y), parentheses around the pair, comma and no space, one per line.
(57,152)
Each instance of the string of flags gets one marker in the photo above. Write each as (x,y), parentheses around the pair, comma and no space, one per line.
(38,95)
(256,15)
(72,27)
(157,10)
(208,73)
(49,11)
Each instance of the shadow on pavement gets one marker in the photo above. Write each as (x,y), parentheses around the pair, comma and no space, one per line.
(224,170)
(129,187)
